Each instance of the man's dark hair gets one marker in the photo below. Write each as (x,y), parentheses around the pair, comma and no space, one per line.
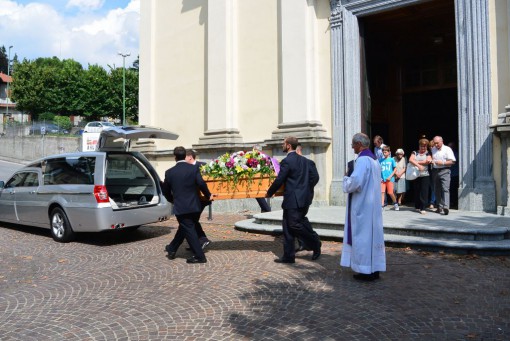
(179,153)
(293,141)
(192,153)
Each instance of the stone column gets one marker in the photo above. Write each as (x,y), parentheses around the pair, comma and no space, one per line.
(346,80)
(299,113)
(501,130)
(477,190)
(222,121)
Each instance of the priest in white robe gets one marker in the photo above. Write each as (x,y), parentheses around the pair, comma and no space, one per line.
(363,244)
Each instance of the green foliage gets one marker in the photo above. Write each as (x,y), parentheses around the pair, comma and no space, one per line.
(46,116)
(3,60)
(131,93)
(63,122)
(64,88)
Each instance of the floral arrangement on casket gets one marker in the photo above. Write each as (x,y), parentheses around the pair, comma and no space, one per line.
(240,175)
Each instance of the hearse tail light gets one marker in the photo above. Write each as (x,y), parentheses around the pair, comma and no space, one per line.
(101,194)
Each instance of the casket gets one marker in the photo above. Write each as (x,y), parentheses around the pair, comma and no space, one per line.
(244,188)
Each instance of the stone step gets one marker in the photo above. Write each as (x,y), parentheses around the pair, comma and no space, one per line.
(447,243)
(456,232)
(459,232)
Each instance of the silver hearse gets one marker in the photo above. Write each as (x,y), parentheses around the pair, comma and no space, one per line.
(110,188)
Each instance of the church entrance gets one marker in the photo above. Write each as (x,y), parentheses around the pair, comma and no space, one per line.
(409,74)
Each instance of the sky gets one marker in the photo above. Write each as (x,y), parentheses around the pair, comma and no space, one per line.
(88,31)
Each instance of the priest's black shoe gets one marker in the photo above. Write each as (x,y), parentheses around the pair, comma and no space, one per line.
(284,260)
(194,260)
(367,277)
(171,254)
(317,252)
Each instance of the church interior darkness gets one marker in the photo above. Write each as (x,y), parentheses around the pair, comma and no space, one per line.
(410,58)
(409,74)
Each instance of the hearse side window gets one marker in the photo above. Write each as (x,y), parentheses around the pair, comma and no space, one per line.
(16,180)
(70,170)
(31,180)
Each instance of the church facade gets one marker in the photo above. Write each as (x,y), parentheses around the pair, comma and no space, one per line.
(228,75)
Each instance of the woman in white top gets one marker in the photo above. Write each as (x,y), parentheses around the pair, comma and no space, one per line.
(421,159)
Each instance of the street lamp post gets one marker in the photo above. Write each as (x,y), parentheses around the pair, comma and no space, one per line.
(124,55)
(8,72)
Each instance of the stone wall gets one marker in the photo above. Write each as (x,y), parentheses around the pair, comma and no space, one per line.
(24,149)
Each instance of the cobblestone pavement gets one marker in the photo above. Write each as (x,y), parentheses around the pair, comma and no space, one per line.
(120,286)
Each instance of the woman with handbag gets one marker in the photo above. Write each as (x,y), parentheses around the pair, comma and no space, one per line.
(421,159)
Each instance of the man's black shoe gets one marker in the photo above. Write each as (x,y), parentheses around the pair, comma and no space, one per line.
(167,248)
(367,277)
(286,261)
(317,252)
(171,254)
(194,260)
(446,211)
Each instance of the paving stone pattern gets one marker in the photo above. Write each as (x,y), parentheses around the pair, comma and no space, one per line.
(121,286)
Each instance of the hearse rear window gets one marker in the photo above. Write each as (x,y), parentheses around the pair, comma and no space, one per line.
(125,166)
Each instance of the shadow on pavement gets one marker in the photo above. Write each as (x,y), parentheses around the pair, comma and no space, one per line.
(104,238)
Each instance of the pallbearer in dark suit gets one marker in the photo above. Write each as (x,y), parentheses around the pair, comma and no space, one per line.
(191,158)
(299,178)
(181,186)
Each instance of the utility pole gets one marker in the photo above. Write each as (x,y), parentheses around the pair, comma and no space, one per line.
(8,73)
(124,55)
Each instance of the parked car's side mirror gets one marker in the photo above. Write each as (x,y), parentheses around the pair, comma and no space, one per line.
(2,184)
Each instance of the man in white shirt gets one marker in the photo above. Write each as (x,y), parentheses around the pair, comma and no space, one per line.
(442,160)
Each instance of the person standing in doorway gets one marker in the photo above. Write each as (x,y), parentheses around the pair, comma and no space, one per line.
(378,145)
(432,191)
(400,175)
(299,179)
(421,159)
(442,159)
(363,247)
(388,170)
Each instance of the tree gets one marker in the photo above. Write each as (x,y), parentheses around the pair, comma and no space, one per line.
(4,56)
(48,85)
(98,100)
(131,92)
(136,64)
(64,88)
(3,60)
